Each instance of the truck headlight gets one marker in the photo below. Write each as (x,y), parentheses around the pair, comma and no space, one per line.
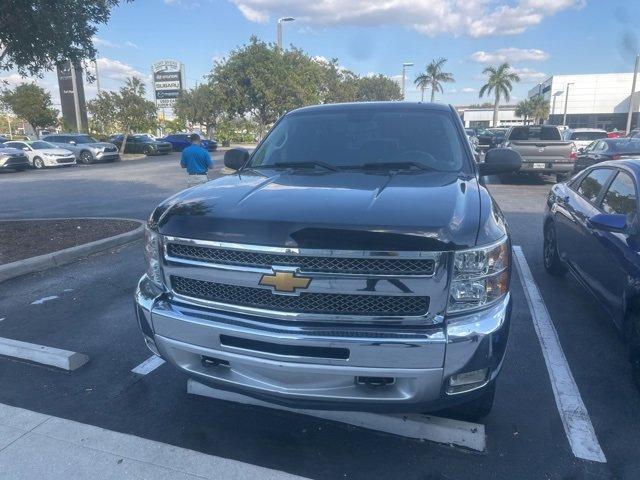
(152,254)
(480,277)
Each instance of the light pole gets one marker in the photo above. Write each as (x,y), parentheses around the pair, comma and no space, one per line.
(553,107)
(404,74)
(95,64)
(566,102)
(633,91)
(280,21)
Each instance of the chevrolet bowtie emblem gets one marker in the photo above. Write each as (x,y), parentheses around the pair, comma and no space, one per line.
(284,281)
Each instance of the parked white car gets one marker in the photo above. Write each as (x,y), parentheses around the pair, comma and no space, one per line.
(43,154)
(582,137)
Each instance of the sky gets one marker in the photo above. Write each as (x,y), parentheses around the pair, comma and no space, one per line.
(537,37)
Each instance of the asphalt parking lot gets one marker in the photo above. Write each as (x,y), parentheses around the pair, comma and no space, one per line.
(91,313)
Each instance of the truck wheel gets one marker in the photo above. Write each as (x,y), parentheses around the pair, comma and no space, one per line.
(552,263)
(477,408)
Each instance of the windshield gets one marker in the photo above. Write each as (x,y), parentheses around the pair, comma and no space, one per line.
(534,133)
(85,139)
(585,136)
(353,138)
(145,138)
(41,145)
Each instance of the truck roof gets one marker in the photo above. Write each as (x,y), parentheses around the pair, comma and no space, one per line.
(379,106)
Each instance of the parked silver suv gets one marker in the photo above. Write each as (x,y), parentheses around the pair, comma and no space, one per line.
(86,149)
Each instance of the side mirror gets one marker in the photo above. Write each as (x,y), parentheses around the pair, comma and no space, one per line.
(500,160)
(609,222)
(236,158)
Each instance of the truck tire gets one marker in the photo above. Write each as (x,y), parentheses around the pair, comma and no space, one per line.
(477,408)
(550,257)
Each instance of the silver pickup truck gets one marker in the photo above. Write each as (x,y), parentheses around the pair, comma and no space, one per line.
(542,149)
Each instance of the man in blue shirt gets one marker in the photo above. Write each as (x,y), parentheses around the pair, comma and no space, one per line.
(197,161)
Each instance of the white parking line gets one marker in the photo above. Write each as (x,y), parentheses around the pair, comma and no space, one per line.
(40,301)
(55,357)
(33,445)
(423,427)
(574,415)
(149,365)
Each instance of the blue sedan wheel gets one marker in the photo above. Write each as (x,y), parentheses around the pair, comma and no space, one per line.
(552,262)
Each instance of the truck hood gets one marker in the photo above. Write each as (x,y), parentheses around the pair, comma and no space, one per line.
(339,210)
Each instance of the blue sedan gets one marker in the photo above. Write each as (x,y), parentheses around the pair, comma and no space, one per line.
(591,229)
(180,141)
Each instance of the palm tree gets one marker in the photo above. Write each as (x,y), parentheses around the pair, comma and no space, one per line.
(524,109)
(539,108)
(433,77)
(500,83)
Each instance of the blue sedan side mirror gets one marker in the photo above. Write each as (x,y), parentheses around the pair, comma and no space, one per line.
(609,222)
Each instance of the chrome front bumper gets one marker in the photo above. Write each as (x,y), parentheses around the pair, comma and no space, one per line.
(303,366)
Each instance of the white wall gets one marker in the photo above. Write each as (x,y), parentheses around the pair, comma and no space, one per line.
(597,93)
(506,117)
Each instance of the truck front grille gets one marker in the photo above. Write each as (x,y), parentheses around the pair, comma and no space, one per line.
(306,302)
(363,266)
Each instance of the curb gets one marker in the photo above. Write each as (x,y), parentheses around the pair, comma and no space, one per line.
(68,255)
(132,157)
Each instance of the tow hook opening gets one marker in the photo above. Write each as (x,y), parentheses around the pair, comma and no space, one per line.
(213,362)
(375,381)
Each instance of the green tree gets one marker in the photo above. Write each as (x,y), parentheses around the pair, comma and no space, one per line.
(33,103)
(103,113)
(36,35)
(500,83)
(433,77)
(539,108)
(524,109)
(377,88)
(135,112)
(175,125)
(202,105)
(262,81)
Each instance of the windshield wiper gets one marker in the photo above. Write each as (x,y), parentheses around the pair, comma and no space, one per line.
(392,166)
(308,164)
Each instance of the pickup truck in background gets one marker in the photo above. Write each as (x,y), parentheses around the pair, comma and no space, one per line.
(542,150)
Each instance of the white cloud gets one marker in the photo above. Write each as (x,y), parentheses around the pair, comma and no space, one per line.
(476,18)
(528,75)
(253,15)
(129,43)
(510,55)
(114,69)
(468,90)
(101,42)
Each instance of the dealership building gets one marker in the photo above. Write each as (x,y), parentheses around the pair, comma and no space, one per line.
(591,100)
(483,117)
